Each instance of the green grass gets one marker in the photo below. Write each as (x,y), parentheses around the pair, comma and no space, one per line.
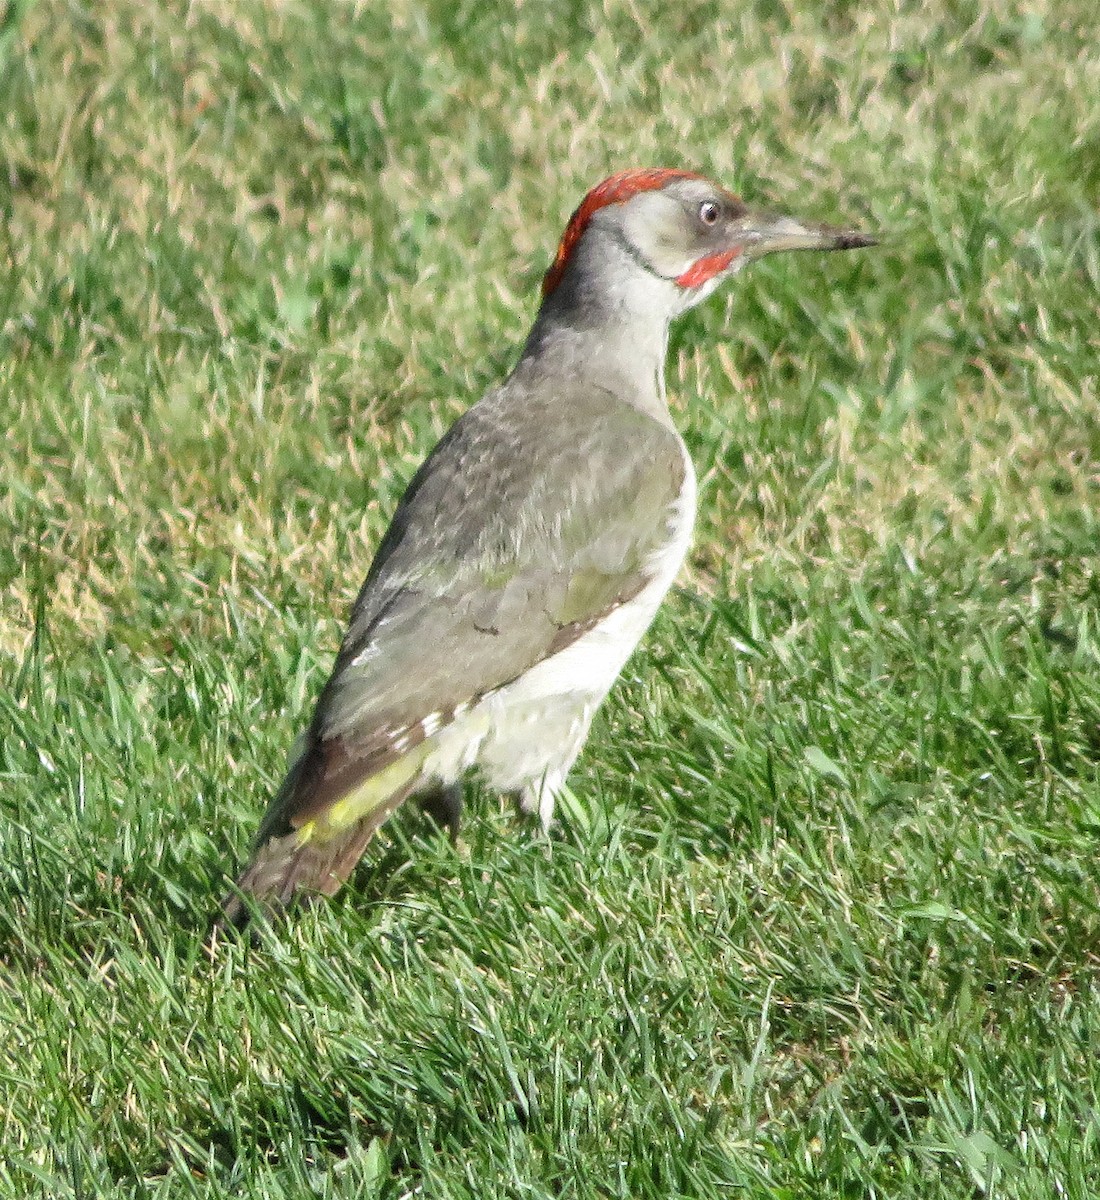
(822,918)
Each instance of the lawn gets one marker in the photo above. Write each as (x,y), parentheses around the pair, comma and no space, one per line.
(821,915)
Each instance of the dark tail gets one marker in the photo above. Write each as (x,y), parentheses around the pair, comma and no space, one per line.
(318,827)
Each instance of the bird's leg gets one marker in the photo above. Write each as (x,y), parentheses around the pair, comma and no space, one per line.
(444,805)
(537,799)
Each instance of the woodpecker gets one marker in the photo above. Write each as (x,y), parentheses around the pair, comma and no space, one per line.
(532,548)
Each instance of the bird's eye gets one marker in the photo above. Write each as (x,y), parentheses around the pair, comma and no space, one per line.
(709,212)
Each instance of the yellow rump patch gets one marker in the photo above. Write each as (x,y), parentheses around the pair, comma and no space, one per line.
(365,798)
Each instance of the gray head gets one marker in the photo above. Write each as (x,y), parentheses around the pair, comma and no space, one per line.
(672,234)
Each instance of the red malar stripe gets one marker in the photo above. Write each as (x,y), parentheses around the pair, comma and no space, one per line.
(706,268)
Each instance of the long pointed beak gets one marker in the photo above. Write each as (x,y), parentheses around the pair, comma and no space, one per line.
(766,233)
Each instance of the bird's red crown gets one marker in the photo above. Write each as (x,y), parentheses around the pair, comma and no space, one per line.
(616,189)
